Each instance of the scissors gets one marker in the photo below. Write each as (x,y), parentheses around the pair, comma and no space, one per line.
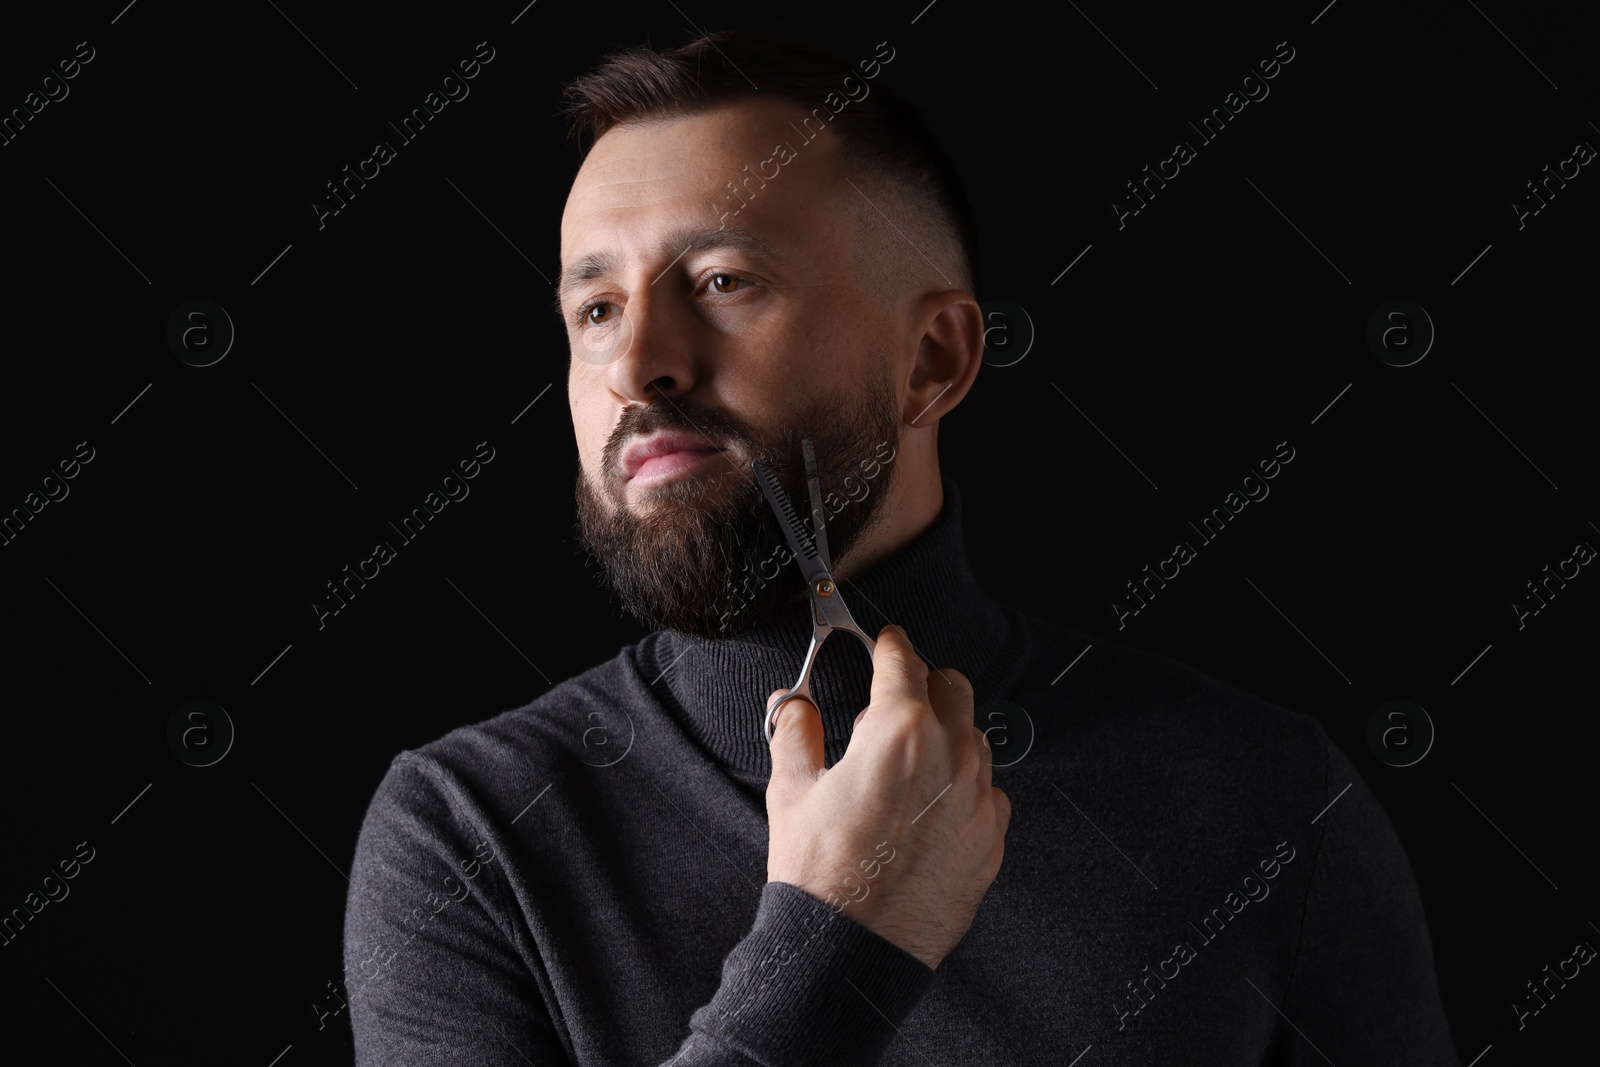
(828,612)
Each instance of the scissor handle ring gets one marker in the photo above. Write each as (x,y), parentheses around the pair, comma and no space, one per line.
(772,712)
(804,688)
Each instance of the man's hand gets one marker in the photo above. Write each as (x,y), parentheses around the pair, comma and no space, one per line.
(917,779)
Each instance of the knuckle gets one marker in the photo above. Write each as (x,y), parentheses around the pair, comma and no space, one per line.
(955,685)
(968,758)
(792,718)
(912,671)
(909,714)
(912,735)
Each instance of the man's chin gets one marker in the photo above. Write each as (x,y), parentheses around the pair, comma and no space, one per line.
(683,556)
(699,492)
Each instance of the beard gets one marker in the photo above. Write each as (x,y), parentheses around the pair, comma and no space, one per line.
(689,558)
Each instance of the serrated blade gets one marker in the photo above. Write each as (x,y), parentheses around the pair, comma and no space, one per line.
(793,529)
(818,517)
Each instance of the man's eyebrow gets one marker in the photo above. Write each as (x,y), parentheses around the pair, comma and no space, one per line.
(678,243)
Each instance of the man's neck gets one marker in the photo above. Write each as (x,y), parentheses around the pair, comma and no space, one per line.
(911,508)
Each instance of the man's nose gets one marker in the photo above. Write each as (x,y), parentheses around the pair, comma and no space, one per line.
(653,348)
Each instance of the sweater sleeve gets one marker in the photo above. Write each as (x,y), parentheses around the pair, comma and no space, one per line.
(1362,988)
(809,985)
(431,975)
(435,976)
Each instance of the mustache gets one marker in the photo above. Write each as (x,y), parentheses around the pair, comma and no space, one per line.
(679,417)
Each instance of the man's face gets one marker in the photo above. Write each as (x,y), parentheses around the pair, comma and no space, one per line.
(693,328)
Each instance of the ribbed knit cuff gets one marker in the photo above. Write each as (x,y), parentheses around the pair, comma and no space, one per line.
(808,985)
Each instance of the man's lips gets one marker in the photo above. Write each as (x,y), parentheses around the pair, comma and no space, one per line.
(663,454)
(669,465)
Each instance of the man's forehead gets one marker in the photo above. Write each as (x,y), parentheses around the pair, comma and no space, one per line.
(744,130)
(713,180)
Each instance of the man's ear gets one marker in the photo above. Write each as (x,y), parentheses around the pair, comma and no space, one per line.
(948,355)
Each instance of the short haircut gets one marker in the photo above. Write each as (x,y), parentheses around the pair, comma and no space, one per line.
(887,146)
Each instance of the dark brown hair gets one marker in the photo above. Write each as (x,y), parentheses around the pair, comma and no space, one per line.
(881,134)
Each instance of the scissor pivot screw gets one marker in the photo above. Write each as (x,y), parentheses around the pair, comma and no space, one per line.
(824,587)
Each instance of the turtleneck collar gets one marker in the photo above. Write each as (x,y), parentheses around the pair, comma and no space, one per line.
(717,688)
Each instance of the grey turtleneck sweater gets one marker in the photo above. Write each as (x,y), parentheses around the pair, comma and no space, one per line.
(1191,874)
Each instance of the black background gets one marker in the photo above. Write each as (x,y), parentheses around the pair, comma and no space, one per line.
(1222,319)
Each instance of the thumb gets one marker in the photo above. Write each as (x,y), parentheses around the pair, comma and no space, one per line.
(797,755)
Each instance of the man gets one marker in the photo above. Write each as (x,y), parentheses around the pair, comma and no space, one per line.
(1174,871)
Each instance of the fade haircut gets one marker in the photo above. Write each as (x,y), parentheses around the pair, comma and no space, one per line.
(901,170)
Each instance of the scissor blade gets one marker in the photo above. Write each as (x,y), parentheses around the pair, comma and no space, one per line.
(793,528)
(818,516)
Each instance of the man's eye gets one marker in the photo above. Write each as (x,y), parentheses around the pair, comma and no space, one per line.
(721,283)
(584,315)
(718,281)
